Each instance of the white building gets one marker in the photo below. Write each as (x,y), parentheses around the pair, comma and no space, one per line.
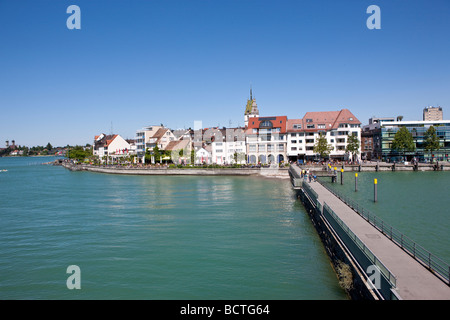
(266,140)
(160,139)
(111,146)
(203,156)
(227,145)
(142,137)
(335,125)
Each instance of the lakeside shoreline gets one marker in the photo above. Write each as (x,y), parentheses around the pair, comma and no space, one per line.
(280,173)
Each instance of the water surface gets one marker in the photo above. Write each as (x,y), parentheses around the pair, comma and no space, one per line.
(155,237)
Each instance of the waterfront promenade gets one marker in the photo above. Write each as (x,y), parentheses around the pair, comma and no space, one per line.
(413,280)
(268,172)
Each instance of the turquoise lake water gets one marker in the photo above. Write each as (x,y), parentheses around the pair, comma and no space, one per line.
(148,237)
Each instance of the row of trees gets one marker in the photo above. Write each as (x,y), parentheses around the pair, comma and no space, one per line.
(28,151)
(323,148)
(403,142)
(79,153)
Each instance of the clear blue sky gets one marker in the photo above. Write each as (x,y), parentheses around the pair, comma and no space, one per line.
(136,63)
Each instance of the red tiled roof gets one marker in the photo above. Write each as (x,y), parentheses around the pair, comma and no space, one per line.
(111,139)
(331,120)
(277,122)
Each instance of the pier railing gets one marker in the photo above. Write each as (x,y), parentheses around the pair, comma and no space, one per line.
(332,217)
(296,180)
(311,193)
(432,262)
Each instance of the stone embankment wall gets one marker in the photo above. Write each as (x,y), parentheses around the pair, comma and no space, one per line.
(263,172)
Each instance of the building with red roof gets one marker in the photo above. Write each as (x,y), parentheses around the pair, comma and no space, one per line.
(336,126)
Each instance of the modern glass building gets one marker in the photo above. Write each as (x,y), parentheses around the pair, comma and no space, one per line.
(417,129)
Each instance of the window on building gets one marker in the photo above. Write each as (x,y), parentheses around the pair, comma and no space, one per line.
(308,120)
(293,148)
(310,126)
(321,126)
(297,126)
(293,141)
(266,124)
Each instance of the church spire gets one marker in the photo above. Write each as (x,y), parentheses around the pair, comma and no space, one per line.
(251,96)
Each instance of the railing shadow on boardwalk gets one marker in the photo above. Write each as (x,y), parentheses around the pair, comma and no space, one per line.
(433,263)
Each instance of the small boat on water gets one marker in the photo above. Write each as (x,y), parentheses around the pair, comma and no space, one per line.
(4,170)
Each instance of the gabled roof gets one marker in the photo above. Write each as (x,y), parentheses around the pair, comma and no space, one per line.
(290,125)
(110,139)
(176,145)
(330,119)
(160,133)
(104,141)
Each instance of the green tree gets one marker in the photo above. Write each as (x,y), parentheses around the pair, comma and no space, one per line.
(79,153)
(403,141)
(353,145)
(192,156)
(431,141)
(148,156)
(49,146)
(322,147)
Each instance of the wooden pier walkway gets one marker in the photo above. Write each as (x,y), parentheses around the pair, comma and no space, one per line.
(413,280)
